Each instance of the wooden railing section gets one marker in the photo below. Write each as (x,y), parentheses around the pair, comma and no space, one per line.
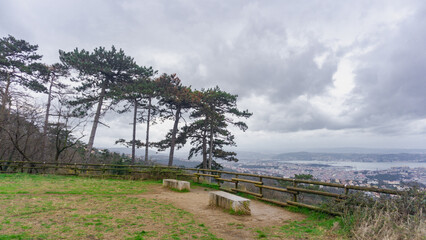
(294,190)
(294,187)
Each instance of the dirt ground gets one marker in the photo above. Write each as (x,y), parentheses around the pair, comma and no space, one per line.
(221,223)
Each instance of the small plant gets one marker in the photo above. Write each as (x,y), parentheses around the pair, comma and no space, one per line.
(177,190)
(237,213)
(261,234)
(205,185)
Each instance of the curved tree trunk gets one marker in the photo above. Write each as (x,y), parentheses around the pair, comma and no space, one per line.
(173,140)
(95,124)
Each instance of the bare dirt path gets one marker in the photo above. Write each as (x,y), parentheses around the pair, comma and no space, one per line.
(221,223)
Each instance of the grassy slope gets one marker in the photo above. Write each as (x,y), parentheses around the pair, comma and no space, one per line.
(54,207)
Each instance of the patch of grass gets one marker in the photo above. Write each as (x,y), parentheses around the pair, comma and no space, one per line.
(181,191)
(233,212)
(58,207)
(52,184)
(205,185)
(144,234)
(261,234)
(14,236)
(317,225)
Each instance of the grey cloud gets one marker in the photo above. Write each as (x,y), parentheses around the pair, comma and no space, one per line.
(253,49)
(391,79)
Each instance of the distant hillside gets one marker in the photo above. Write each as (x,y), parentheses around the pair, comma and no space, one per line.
(362,150)
(244,155)
(160,158)
(309,156)
(139,152)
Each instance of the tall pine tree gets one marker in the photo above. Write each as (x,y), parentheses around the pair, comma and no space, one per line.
(209,132)
(99,72)
(19,65)
(176,99)
(138,95)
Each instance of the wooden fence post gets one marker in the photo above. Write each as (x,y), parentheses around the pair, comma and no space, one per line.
(346,193)
(295,194)
(198,176)
(260,188)
(75,169)
(44,168)
(236,182)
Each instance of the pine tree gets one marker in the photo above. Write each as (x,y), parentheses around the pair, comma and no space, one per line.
(176,100)
(138,94)
(18,66)
(209,132)
(99,72)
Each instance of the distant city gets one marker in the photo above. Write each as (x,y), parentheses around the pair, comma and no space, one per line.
(367,167)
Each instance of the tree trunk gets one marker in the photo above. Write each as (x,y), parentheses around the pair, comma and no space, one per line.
(5,100)
(46,122)
(147,129)
(204,149)
(95,124)
(173,140)
(211,148)
(134,132)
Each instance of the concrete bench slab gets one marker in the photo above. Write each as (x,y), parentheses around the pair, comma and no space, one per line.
(176,184)
(230,201)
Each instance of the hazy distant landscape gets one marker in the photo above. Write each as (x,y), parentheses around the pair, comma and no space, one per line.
(366,166)
(331,155)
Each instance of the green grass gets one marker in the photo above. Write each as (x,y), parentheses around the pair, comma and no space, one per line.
(52,207)
(59,207)
(181,191)
(53,184)
(317,225)
(261,234)
(205,185)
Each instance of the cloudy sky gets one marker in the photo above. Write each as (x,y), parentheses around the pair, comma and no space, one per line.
(315,74)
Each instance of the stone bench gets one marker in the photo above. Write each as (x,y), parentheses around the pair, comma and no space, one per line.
(176,184)
(230,201)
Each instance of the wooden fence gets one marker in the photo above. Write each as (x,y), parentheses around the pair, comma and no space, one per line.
(293,187)
(87,169)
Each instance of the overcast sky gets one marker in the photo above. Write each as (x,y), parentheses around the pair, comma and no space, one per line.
(313,73)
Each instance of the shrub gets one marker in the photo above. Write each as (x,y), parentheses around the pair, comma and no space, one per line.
(392,217)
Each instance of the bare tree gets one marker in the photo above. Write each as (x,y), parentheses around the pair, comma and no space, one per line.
(63,131)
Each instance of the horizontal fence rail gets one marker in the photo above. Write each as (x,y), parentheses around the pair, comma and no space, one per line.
(293,187)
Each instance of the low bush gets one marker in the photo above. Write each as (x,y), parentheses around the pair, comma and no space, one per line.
(392,217)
